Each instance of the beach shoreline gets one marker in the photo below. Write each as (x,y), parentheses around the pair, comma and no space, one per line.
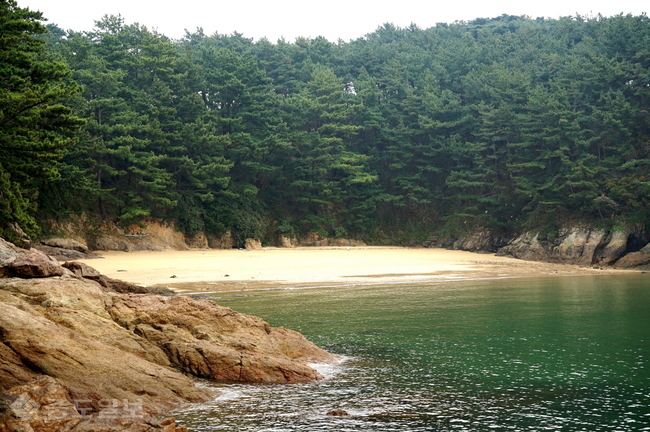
(220,270)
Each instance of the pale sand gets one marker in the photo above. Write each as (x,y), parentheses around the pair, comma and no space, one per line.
(226,270)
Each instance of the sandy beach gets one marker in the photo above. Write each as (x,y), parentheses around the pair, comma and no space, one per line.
(234,270)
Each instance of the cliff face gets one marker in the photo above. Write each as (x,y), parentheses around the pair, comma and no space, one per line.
(79,339)
(626,247)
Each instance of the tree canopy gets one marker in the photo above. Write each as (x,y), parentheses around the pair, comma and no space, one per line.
(501,122)
(35,129)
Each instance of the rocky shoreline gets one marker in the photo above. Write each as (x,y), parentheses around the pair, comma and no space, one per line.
(625,247)
(83,352)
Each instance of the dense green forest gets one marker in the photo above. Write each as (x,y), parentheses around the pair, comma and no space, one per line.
(506,123)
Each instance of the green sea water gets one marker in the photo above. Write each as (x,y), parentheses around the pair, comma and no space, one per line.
(556,354)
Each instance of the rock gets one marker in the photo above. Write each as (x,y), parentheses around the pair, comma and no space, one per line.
(66,243)
(64,254)
(35,264)
(121,286)
(639,259)
(100,344)
(8,252)
(211,341)
(153,235)
(19,237)
(89,369)
(225,241)
(252,244)
(111,243)
(338,413)
(198,241)
(43,405)
(83,270)
(481,240)
(573,245)
(286,242)
(613,248)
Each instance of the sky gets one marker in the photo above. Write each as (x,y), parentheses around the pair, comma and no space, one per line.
(288,19)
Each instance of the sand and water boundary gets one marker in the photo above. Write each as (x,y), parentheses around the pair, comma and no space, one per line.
(216,270)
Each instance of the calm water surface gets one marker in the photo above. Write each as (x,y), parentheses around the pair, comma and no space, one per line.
(557,354)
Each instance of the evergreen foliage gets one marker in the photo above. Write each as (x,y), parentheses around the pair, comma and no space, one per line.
(499,122)
(35,129)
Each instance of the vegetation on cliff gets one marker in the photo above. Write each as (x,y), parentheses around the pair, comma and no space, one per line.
(496,122)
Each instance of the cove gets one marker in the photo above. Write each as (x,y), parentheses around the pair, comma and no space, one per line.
(569,354)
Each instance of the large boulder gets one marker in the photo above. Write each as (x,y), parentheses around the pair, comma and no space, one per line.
(35,264)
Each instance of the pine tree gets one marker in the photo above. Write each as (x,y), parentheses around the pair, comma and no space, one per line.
(35,129)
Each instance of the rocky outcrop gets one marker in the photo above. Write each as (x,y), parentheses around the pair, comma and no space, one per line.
(639,259)
(197,241)
(43,405)
(286,242)
(224,241)
(612,248)
(211,341)
(8,252)
(95,344)
(576,245)
(66,243)
(481,240)
(153,235)
(251,244)
(580,245)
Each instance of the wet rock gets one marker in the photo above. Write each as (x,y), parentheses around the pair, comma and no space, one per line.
(99,341)
(211,341)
